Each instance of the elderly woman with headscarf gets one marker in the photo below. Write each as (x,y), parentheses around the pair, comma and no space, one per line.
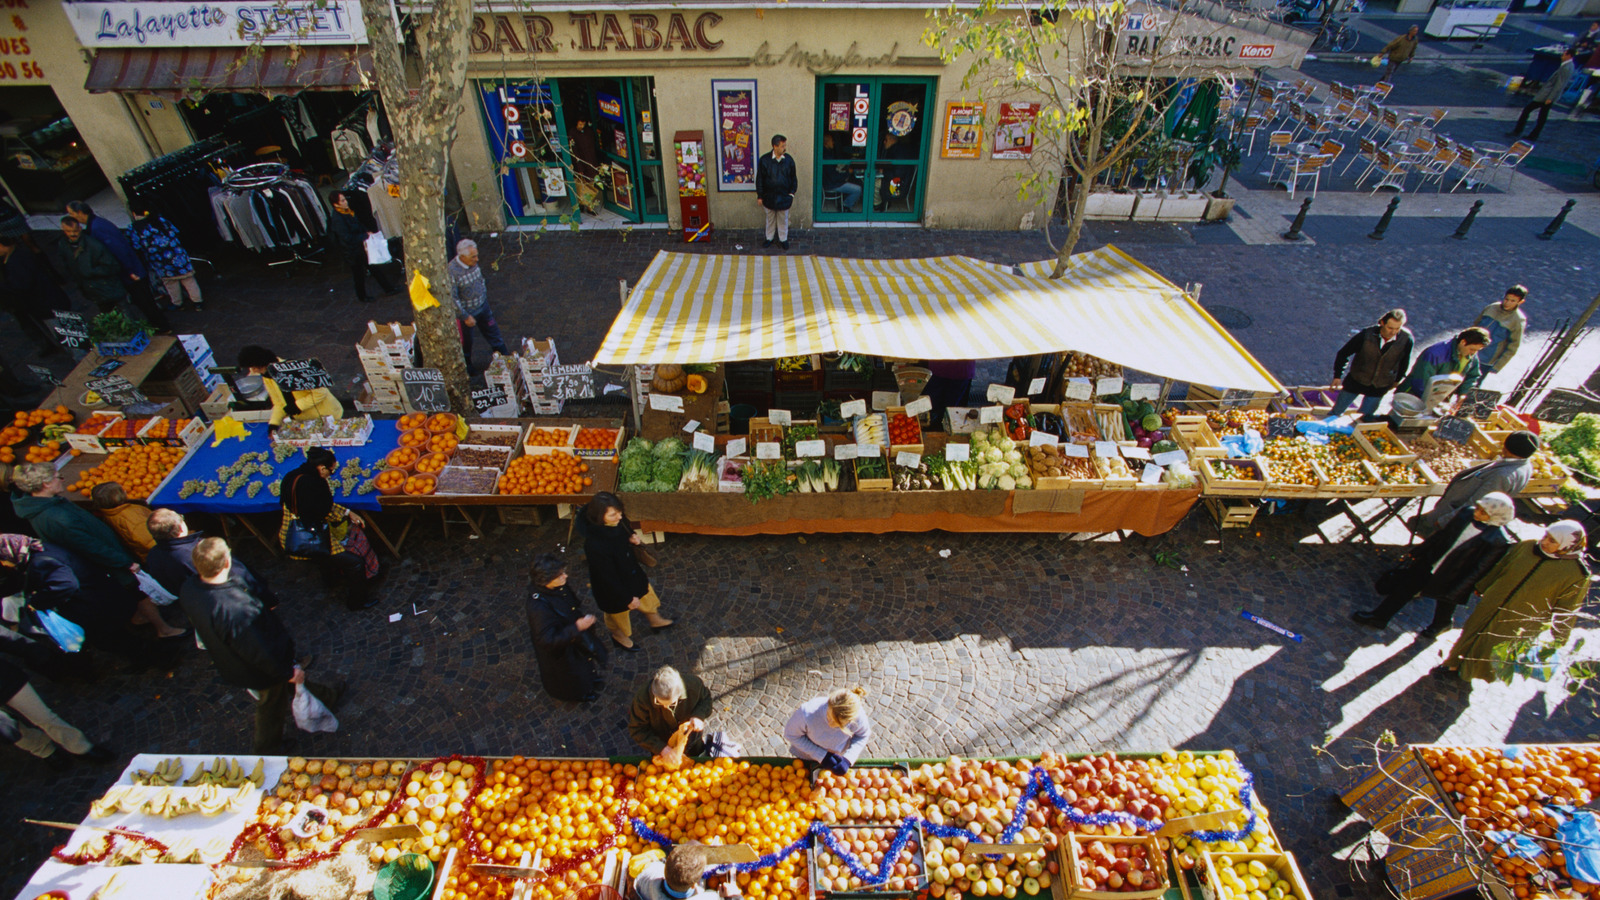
(1448,564)
(1536,585)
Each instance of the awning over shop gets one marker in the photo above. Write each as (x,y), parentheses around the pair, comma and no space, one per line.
(275,70)
(704,308)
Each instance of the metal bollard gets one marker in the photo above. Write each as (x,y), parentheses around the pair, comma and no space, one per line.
(1556,223)
(1466,224)
(1383,223)
(1293,234)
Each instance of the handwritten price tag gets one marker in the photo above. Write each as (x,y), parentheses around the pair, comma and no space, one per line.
(1036,387)
(704,442)
(1136,452)
(1170,458)
(908,459)
(1002,394)
(779,417)
(990,415)
(1107,449)
(843,452)
(769,450)
(1079,389)
(811,448)
(919,406)
(885,399)
(738,446)
(1144,391)
(1040,439)
(870,451)
(666,402)
(1078,450)
(1109,385)
(691,426)
(958,452)
(850,409)
(1151,474)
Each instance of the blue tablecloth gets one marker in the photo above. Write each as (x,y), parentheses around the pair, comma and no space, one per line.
(203,465)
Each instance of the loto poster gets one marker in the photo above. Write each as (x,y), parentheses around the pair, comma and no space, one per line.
(963,130)
(734,104)
(1013,132)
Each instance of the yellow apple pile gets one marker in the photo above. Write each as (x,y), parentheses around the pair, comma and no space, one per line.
(1195,785)
(1253,880)
(349,792)
(866,795)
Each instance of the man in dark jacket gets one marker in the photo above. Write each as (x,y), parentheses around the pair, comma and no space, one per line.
(1546,97)
(1448,564)
(171,560)
(30,294)
(1378,358)
(135,278)
(349,231)
(776,183)
(245,639)
(661,707)
(90,266)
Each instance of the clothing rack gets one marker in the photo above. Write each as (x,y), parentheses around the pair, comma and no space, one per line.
(265,206)
(176,187)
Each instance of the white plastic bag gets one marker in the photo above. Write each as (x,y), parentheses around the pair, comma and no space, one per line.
(152,588)
(377,249)
(309,713)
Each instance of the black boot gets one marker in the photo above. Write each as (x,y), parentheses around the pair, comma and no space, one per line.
(1369,618)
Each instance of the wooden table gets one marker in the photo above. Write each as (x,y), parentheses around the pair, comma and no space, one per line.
(137,369)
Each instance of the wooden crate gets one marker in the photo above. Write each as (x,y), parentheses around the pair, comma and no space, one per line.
(1281,863)
(921,419)
(1108,420)
(1115,476)
(1319,400)
(1430,482)
(1503,419)
(872,484)
(1367,433)
(1157,860)
(1194,436)
(1342,490)
(542,449)
(1204,396)
(1547,484)
(1219,477)
(521,515)
(763,430)
(1079,419)
(1278,488)
(1231,513)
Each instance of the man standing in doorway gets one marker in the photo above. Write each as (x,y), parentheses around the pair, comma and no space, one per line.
(1504,321)
(472,302)
(1400,50)
(776,183)
(1546,97)
(136,280)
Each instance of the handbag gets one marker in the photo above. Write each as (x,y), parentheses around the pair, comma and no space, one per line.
(377,249)
(67,634)
(301,539)
(592,645)
(640,554)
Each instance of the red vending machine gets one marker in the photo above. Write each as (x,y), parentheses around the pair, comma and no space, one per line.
(691,146)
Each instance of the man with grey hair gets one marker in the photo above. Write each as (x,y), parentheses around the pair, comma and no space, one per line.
(664,705)
(472,301)
(171,560)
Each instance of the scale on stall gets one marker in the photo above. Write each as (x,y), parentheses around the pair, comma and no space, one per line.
(1412,413)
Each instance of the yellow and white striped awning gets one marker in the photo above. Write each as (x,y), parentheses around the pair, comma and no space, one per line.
(701,308)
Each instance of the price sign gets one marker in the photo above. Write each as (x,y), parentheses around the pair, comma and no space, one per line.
(488,398)
(1170,458)
(1039,438)
(780,417)
(1144,391)
(704,442)
(72,329)
(45,375)
(958,452)
(691,426)
(908,459)
(1036,387)
(1002,394)
(1454,429)
(885,399)
(1479,403)
(769,450)
(1151,474)
(851,409)
(572,383)
(990,415)
(1280,426)
(811,448)
(1079,389)
(105,368)
(1136,452)
(1106,449)
(115,390)
(299,375)
(1078,450)
(919,406)
(870,451)
(1109,385)
(843,452)
(666,402)
(737,446)
(425,389)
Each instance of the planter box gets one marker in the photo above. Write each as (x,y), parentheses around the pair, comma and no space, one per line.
(1148,208)
(1219,208)
(1187,206)
(1110,205)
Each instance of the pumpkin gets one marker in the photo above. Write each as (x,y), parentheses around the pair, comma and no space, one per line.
(697,384)
(669,379)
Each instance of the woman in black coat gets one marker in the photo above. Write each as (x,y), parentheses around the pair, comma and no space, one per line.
(305,493)
(569,656)
(615,576)
(1448,564)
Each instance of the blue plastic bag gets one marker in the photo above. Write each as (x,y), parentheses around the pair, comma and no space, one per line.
(1580,831)
(1516,844)
(67,634)
(1316,432)
(1241,446)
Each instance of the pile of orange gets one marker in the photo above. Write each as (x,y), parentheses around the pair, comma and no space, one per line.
(124,429)
(554,809)
(728,801)
(167,428)
(138,469)
(421,484)
(412,420)
(95,423)
(390,481)
(1495,793)
(402,458)
(60,415)
(416,437)
(433,464)
(547,473)
(45,452)
(596,438)
(443,443)
(442,423)
(12,434)
(548,437)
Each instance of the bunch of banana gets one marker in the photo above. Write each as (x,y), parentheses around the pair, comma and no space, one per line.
(55,432)
(227,774)
(109,804)
(872,429)
(165,774)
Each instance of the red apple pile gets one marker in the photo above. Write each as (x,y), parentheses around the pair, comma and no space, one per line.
(869,846)
(1118,866)
(1104,783)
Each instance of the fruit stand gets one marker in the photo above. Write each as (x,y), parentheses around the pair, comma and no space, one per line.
(1135,826)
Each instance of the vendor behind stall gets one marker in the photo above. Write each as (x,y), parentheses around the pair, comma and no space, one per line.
(1456,356)
(313,404)
(667,704)
(831,730)
(679,877)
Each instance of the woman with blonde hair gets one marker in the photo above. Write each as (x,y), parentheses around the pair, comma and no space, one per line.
(832,731)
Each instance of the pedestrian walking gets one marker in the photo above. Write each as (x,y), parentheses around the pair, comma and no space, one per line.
(161,247)
(1454,356)
(564,642)
(615,574)
(670,702)
(1546,97)
(349,232)
(776,184)
(171,561)
(1371,363)
(30,294)
(315,527)
(135,279)
(1505,322)
(56,579)
(832,731)
(1536,585)
(45,731)
(1447,564)
(472,302)
(233,615)
(1400,50)
(1507,475)
(256,385)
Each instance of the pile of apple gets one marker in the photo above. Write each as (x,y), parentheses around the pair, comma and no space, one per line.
(1105,783)
(1120,865)
(1251,880)
(869,846)
(980,797)
(350,791)
(1194,785)
(865,795)
(950,877)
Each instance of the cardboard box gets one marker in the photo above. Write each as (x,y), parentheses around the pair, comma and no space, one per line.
(531,449)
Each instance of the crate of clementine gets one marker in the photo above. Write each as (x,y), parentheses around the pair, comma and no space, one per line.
(140,469)
(547,474)
(598,443)
(545,439)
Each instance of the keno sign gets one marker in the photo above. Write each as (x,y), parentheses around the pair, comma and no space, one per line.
(177,24)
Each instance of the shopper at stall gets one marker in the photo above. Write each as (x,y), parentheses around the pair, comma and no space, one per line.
(135,280)
(1537,585)
(1448,564)
(615,575)
(1455,356)
(245,640)
(669,702)
(257,385)
(1400,50)
(349,232)
(131,521)
(1504,321)
(776,184)
(564,642)
(171,560)
(88,264)
(472,302)
(832,731)
(46,731)
(30,294)
(1546,97)
(1586,49)
(1507,475)
(1371,363)
(159,244)
(680,876)
(315,527)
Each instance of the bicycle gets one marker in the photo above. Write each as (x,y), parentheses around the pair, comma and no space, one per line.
(1335,36)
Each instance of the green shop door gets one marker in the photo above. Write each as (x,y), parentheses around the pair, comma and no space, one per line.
(627,135)
(872,153)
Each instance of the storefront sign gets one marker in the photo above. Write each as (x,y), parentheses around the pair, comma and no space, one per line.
(963,130)
(1013,132)
(822,62)
(184,24)
(610,106)
(860,116)
(594,33)
(734,104)
(16,55)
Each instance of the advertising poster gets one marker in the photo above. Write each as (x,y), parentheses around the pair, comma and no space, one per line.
(734,104)
(1013,132)
(963,130)
(621,188)
(839,115)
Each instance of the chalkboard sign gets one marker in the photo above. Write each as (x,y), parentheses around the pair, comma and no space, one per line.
(115,390)
(299,375)
(1479,403)
(1561,406)
(569,382)
(44,375)
(105,368)
(1280,426)
(1454,429)
(488,398)
(72,329)
(425,390)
